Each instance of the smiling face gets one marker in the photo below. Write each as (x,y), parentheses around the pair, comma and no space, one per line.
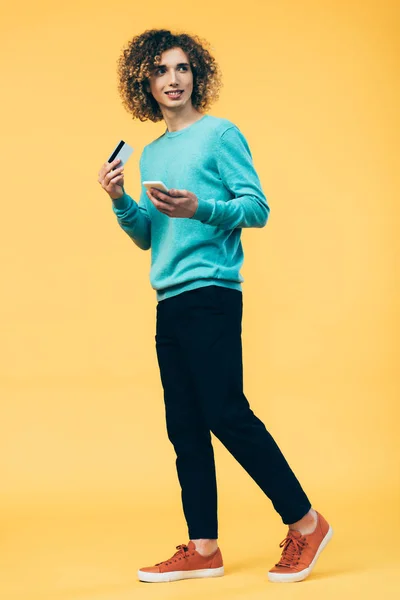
(173,73)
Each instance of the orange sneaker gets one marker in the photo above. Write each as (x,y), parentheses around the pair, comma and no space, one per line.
(187,563)
(300,552)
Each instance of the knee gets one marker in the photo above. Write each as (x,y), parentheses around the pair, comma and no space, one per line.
(231,420)
(187,439)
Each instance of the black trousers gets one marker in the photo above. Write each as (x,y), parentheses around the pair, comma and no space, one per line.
(199,352)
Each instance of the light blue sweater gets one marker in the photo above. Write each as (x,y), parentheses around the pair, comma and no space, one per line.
(212,159)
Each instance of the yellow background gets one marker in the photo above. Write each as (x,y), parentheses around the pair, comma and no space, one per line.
(89,491)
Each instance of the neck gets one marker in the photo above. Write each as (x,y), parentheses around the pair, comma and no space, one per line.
(176,120)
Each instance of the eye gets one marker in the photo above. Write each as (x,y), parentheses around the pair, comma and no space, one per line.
(161,70)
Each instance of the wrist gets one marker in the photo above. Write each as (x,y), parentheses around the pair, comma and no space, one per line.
(204,210)
(122,202)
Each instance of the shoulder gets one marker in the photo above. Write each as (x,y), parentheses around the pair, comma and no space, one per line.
(220,125)
(225,135)
(153,143)
(148,148)
(229,138)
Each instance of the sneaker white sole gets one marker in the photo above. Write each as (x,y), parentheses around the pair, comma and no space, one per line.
(290,577)
(176,575)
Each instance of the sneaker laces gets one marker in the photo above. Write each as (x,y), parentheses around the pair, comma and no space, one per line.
(183,552)
(292,548)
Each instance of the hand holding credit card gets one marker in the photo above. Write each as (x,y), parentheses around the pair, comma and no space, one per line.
(111,174)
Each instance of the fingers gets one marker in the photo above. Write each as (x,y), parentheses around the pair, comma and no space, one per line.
(107,169)
(114,173)
(106,173)
(156,193)
(161,206)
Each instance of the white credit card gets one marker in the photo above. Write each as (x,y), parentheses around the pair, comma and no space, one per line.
(123,151)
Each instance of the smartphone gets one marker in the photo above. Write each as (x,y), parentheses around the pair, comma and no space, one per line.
(122,151)
(155,184)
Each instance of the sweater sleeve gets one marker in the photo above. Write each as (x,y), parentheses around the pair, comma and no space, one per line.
(134,218)
(249,206)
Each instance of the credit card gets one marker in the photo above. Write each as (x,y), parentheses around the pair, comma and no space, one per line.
(122,151)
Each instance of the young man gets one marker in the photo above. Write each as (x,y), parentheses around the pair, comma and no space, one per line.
(194,235)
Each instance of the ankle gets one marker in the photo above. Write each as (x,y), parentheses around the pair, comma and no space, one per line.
(306,524)
(205,546)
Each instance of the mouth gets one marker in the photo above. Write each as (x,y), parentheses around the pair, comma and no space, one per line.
(175,94)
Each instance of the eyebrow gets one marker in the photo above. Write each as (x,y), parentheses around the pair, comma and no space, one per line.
(183,64)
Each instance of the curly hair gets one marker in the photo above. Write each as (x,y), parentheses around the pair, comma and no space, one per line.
(143,53)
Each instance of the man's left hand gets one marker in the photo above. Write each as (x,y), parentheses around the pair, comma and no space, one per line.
(177,203)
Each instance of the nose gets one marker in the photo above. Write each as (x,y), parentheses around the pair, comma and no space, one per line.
(173,78)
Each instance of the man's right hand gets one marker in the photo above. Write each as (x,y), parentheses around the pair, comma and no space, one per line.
(112,181)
